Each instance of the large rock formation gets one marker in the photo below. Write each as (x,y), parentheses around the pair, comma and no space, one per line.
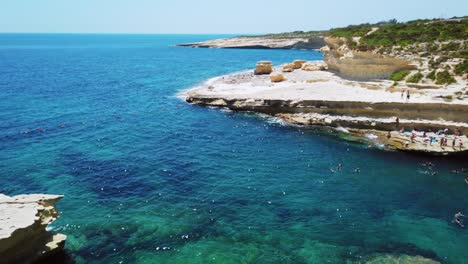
(23,222)
(263,67)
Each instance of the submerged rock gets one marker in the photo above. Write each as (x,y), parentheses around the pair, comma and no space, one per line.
(401,259)
(23,222)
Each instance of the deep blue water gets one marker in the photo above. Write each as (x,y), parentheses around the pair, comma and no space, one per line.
(148,178)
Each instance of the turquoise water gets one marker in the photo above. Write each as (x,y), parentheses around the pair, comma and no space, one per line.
(150,179)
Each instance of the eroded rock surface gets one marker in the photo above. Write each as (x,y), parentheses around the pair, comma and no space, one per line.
(23,222)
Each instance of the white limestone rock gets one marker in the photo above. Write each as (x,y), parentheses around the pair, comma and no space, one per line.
(23,222)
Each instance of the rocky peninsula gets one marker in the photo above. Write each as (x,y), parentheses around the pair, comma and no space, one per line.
(307,94)
(405,93)
(262,42)
(24,237)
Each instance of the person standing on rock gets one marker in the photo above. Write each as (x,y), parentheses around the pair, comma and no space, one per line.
(407,95)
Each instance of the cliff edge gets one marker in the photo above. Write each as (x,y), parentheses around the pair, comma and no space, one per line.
(23,223)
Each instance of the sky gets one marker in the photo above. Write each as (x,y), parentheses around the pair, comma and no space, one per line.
(211,16)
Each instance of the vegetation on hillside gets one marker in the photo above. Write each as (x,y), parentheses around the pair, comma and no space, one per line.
(462,68)
(438,47)
(392,33)
(444,77)
(415,78)
(399,75)
(425,50)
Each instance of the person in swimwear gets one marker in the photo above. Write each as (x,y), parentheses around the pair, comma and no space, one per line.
(458,219)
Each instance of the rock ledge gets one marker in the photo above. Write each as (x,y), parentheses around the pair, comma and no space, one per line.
(23,222)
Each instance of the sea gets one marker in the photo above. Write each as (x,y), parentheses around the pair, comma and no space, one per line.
(148,178)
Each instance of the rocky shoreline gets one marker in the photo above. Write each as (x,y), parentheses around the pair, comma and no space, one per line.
(263,42)
(24,237)
(311,96)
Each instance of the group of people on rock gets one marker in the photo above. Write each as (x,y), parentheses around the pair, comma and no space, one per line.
(440,136)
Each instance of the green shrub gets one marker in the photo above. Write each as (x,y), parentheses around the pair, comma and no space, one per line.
(452,46)
(399,75)
(432,75)
(444,77)
(432,48)
(351,43)
(415,78)
(461,54)
(351,31)
(448,98)
(461,68)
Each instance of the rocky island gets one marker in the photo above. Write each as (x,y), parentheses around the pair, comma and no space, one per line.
(24,237)
(406,94)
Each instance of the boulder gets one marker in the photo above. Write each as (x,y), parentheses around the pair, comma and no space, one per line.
(298,64)
(324,49)
(315,66)
(277,77)
(263,67)
(288,67)
(23,222)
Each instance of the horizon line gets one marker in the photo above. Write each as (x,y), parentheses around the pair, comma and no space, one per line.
(135,33)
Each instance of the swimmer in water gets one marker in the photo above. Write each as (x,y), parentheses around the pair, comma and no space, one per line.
(458,219)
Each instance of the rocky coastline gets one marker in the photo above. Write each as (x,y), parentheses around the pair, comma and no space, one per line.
(309,95)
(261,42)
(24,237)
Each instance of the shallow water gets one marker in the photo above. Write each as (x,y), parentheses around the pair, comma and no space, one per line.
(150,179)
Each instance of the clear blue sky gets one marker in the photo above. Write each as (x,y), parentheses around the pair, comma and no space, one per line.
(211,16)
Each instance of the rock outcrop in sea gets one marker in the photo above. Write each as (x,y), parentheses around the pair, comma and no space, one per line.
(23,222)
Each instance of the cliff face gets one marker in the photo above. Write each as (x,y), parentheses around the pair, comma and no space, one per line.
(23,222)
(428,52)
